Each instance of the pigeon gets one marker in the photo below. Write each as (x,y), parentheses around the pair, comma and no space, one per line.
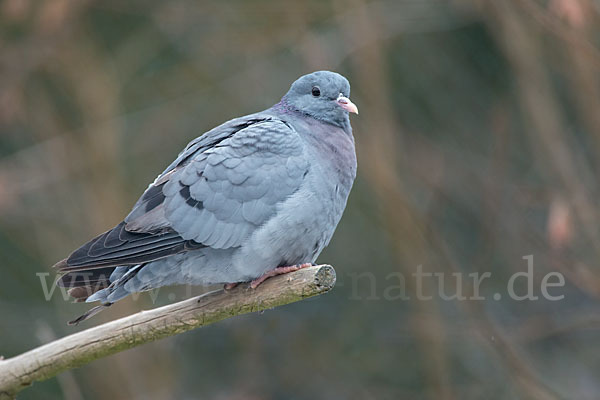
(255,197)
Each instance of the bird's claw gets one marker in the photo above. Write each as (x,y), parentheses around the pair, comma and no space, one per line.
(278,271)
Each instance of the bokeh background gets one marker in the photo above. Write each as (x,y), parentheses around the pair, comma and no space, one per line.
(478,141)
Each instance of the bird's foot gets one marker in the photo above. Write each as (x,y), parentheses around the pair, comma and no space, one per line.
(277,271)
(229,286)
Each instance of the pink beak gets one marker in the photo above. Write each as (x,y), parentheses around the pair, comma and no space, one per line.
(346,104)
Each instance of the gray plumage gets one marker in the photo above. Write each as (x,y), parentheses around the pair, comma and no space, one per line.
(252,194)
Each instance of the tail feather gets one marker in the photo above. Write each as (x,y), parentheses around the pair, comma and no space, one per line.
(90,277)
(81,293)
(83,284)
(89,313)
(104,291)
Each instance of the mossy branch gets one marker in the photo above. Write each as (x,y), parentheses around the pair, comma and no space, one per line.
(80,348)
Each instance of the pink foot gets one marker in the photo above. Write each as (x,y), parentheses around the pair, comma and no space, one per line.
(229,286)
(277,271)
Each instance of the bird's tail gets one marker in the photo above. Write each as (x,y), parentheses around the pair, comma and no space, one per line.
(83,284)
(100,284)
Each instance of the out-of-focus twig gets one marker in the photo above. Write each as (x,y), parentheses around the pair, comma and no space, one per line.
(547,128)
(402,222)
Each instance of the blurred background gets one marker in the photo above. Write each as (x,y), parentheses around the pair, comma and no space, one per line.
(478,141)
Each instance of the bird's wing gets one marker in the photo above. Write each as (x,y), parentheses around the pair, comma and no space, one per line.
(225,191)
(222,187)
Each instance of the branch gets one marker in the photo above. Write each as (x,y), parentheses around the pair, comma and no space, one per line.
(80,348)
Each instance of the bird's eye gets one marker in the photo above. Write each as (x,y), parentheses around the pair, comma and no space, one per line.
(316,91)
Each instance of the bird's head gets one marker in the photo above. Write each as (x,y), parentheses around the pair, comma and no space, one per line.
(323,95)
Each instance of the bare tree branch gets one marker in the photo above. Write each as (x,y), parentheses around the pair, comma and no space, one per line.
(80,348)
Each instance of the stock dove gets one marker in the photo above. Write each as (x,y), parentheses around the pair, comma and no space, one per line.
(254,197)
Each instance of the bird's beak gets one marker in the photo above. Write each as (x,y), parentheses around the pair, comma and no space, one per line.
(346,104)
